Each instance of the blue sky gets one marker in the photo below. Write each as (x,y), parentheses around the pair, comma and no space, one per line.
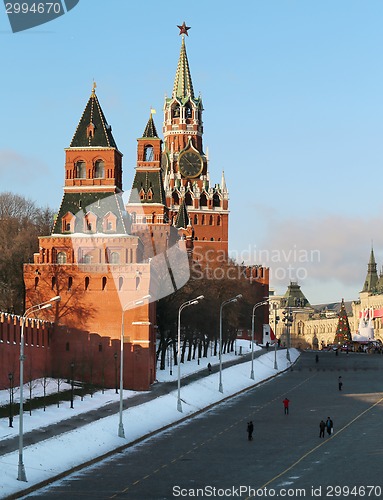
(292,92)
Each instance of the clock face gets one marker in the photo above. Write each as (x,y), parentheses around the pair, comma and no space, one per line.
(190,164)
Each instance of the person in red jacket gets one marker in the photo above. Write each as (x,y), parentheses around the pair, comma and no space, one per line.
(286,403)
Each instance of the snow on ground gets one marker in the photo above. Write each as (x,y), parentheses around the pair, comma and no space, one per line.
(53,456)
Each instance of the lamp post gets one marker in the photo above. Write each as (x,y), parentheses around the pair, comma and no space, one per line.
(233,299)
(71,383)
(276,319)
(182,306)
(21,476)
(121,432)
(10,376)
(115,372)
(288,320)
(259,304)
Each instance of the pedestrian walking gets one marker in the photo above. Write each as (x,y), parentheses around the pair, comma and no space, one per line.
(340,383)
(286,403)
(329,426)
(209,368)
(322,427)
(250,429)
(316,358)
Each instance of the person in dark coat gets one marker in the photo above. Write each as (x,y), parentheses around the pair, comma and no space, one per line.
(209,368)
(286,403)
(340,383)
(322,426)
(329,426)
(250,429)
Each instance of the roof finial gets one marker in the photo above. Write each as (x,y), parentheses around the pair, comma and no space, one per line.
(94,87)
(183,29)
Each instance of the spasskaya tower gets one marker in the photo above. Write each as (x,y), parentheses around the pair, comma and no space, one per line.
(197,208)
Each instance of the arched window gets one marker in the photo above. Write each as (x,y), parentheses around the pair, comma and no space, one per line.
(137,282)
(211,220)
(80,170)
(104,281)
(61,258)
(216,200)
(99,169)
(188,199)
(203,200)
(70,283)
(175,198)
(218,220)
(86,284)
(196,219)
(176,111)
(120,283)
(86,259)
(114,258)
(53,282)
(188,111)
(36,282)
(148,153)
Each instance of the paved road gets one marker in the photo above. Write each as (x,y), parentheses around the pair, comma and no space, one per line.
(286,457)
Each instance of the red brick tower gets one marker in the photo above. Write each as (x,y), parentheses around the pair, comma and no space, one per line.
(147,202)
(91,259)
(197,208)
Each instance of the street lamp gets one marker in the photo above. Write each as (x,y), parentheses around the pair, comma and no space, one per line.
(10,376)
(44,305)
(121,432)
(288,320)
(259,304)
(182,306)
(233,299)
(276,319)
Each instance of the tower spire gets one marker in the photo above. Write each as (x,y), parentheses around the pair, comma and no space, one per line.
(183,86)
(371,280)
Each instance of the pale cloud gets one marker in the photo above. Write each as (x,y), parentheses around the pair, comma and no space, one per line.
(13,164)
(326,254)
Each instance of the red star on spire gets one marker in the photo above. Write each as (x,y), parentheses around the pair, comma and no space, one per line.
(183,29)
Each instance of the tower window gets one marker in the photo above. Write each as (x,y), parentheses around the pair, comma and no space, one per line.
(114,258)
(70,283)
(99,169)
(188,199)
(80,170)
(216,200)
(175,198)
(188,112)
(86,284)
(104,281)
(61,258)
(120,283)
(203,200)
(148,153)
(176,111)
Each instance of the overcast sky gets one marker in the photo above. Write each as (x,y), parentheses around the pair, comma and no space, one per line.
(292,92)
